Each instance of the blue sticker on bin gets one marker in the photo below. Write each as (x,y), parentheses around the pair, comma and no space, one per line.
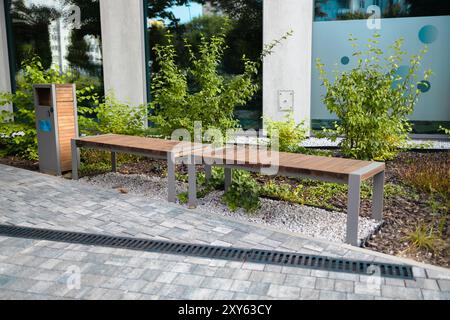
(45,126)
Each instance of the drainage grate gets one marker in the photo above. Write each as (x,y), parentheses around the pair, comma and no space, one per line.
(214,252)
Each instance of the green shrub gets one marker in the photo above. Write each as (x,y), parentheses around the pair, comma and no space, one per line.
(290,134)
(243,193)
(111,116)
(19,140)
(210,99)
(372,101)
(445,130)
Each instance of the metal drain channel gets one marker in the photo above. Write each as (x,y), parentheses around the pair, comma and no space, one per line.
(214,252)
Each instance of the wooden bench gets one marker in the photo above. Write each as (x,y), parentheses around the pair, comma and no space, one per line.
(329,169)
(168,150)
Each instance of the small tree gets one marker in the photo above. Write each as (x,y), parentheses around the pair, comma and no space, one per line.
(372,101)
(210,98)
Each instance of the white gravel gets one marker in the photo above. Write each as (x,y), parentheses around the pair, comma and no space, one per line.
(308,221)
(414,143)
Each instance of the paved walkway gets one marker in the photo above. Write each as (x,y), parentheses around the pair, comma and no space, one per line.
(49,270)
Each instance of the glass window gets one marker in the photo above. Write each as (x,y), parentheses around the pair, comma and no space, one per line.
(329,10)
(187,19)
(64,34)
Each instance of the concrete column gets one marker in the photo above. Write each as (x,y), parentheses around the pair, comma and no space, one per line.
(288,69)
(5,80)
(123,32)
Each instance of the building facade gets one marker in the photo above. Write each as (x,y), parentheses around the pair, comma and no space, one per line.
(111,47)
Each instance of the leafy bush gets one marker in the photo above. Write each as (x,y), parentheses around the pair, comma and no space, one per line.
(111,116)
(372,101)
(445,130)
(289,133)
(211,99)
(19,140)
(32,73)
(243,193)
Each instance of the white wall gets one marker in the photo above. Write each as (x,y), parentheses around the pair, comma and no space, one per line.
(124,49)
(5,81)
(289,67)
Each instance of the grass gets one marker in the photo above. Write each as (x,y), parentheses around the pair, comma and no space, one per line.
(432,176)
(423,239)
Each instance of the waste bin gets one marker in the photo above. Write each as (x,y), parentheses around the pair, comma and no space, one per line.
(56,124)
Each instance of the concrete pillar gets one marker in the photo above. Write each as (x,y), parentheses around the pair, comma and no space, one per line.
(5,80)
(287,72)
(123,32)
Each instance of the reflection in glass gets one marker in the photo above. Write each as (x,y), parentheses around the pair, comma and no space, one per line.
(329,10)
(48,29)
(187,20)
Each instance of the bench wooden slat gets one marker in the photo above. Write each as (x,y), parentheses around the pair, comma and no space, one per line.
(333,168)
(135,144)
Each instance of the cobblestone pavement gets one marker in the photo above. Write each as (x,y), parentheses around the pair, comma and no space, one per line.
(50,270)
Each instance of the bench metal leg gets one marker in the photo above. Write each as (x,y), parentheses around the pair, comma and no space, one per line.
(171,183)
(113,162)
(192,177)
(378,195)
(208,172)
(75,160)
(228,178)
(354,201)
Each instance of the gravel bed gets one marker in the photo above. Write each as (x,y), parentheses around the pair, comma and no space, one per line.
(414,143)
(308,221)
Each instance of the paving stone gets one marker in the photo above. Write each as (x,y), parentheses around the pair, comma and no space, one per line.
(444,285)
(186,279)
(332,295)
(309,294)
(166,277)
(258,288)
(352,296)
(344,286)
(216,283)
(152,288)
(199,294)
(401,293)
(278,291)
(371,289)
(240,274)
(428,284)
(435,295)
(223,295)
(301,281)
(253,266)
(394,282)
(131,285)
(174,291)
(269,277)
(436,274)
(240,286)
(324,284)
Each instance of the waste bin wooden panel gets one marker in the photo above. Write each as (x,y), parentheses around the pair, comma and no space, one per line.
(61,100)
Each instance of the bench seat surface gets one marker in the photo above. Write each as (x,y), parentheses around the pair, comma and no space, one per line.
(331,167)
(132,144)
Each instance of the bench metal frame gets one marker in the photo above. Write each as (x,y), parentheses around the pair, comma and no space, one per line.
(171,157)
(354,191)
